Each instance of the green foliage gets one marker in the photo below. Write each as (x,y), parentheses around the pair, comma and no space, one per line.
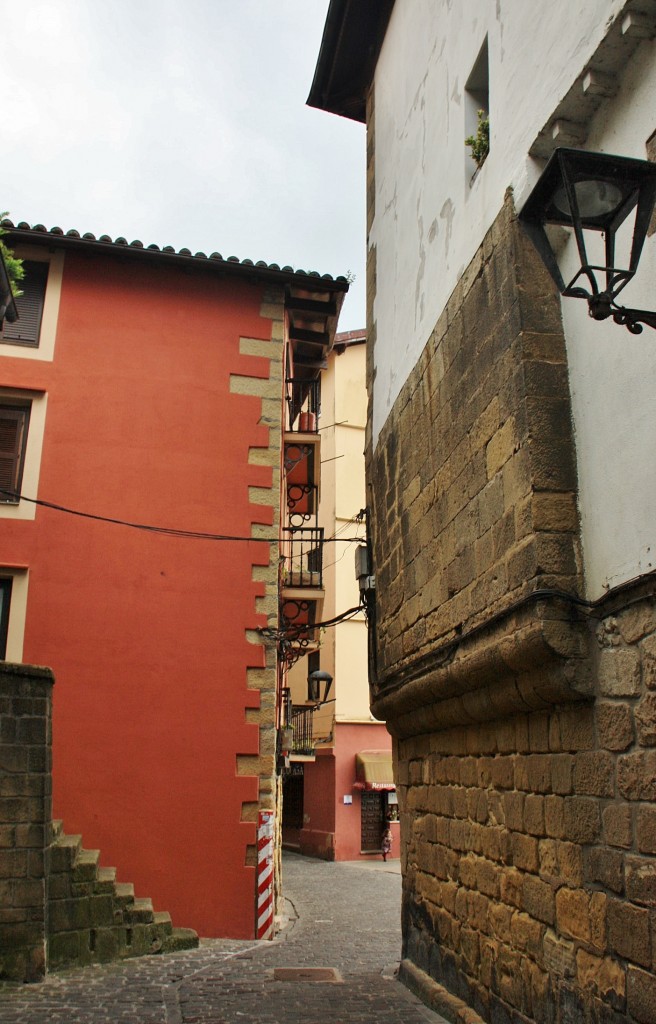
(480,142)
(14,265)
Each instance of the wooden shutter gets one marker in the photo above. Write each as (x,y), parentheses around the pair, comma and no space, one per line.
(13,437)
(25,330)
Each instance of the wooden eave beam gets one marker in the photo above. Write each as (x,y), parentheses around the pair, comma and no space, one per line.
(320,339)
(314,306)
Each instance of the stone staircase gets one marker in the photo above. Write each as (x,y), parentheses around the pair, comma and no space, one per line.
(92,918)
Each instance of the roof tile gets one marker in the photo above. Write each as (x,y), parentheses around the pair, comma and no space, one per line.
(170,250)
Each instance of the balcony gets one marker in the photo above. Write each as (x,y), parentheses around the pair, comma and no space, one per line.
(302,550)
(297,725)
(302,477)
(303,405)
(301,591)
(302,503)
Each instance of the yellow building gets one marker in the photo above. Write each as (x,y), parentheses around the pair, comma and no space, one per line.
(338,791)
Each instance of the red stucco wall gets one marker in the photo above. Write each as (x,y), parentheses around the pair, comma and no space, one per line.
(332,828)
(145,632)
(318,833)
(350,740)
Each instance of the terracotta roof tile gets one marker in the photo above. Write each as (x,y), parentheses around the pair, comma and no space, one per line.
(88,237)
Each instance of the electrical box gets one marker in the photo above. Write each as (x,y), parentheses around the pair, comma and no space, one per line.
(362,567)
(366,580)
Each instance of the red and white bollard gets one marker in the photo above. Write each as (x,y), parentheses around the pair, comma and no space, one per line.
(265,907)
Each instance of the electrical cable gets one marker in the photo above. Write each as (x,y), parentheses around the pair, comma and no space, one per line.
(149,528)
(292,631)
(443,653)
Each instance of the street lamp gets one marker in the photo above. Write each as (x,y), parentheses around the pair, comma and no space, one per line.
(594,192)
(315,679)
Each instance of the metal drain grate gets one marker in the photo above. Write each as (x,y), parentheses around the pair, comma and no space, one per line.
(325,974)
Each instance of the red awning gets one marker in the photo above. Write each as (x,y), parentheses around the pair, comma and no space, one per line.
(373,770)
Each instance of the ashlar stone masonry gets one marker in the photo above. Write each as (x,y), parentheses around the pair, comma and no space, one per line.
(524,717)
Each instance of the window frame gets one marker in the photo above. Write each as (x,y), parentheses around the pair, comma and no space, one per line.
(22,410)
(31,305)
(6,586)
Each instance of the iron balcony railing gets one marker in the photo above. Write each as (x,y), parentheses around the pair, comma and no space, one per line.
(298,718)
(301,723)
(303,405)
(302,547)
(302,504)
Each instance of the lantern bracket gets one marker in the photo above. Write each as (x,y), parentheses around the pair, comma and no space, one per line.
(602,307)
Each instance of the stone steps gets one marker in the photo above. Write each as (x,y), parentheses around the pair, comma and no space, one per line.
(93,918)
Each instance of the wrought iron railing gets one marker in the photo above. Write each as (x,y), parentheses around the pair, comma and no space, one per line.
(301,723)
(302,548)
(303,405)
(298,718)
(302,503)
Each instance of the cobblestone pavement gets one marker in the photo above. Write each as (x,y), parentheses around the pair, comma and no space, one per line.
(341,916)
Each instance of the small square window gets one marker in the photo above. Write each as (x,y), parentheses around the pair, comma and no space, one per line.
(25,330)
(14,422)
(477,114)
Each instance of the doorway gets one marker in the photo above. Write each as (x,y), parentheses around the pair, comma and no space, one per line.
(374,805)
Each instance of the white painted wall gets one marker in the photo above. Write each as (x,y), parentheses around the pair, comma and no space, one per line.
(430,220)
(613,379)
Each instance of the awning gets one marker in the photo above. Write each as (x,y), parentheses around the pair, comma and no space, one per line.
(373,770)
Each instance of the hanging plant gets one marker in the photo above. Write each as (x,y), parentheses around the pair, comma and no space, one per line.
(480,142)
(14,265)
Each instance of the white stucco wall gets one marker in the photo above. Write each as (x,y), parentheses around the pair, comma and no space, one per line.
(430,219)
(613,379)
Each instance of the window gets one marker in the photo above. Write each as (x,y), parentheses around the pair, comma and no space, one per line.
(477,113)
(14,421)
(5,600)
(26,329)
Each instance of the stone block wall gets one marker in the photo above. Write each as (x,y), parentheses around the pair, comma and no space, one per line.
(479,507)
(25,815)
(523,717)
(58,907)
(264,461)
(528,849)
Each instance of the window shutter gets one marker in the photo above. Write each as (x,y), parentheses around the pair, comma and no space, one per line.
(25,330)
(13,435)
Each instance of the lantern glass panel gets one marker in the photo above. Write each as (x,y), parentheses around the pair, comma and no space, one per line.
(594,199)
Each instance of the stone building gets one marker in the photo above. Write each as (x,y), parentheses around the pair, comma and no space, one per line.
(512,488)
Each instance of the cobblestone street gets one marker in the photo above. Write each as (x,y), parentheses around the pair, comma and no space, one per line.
(343,917)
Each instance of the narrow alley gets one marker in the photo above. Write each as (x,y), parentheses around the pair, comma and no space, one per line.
(344,918)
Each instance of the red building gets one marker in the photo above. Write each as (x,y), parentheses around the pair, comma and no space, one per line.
(145,388)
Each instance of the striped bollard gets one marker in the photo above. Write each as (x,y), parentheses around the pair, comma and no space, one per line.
(265,875)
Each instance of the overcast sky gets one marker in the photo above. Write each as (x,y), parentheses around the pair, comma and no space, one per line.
(183,124)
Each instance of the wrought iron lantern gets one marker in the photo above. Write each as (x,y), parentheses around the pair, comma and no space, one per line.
(594,192)
(315,679)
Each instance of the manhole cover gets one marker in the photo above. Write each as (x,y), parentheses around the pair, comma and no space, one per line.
(306,974)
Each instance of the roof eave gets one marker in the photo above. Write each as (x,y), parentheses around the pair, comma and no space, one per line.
(352,38)
(271,273)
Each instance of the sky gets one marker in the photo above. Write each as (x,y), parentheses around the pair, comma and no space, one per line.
(182,124)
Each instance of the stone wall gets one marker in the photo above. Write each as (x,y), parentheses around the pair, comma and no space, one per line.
(523,716)
(528,849)
(472,483)
(25,816)
(264,472)
(58,907)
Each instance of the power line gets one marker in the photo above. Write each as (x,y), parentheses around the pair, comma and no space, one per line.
(166,531)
